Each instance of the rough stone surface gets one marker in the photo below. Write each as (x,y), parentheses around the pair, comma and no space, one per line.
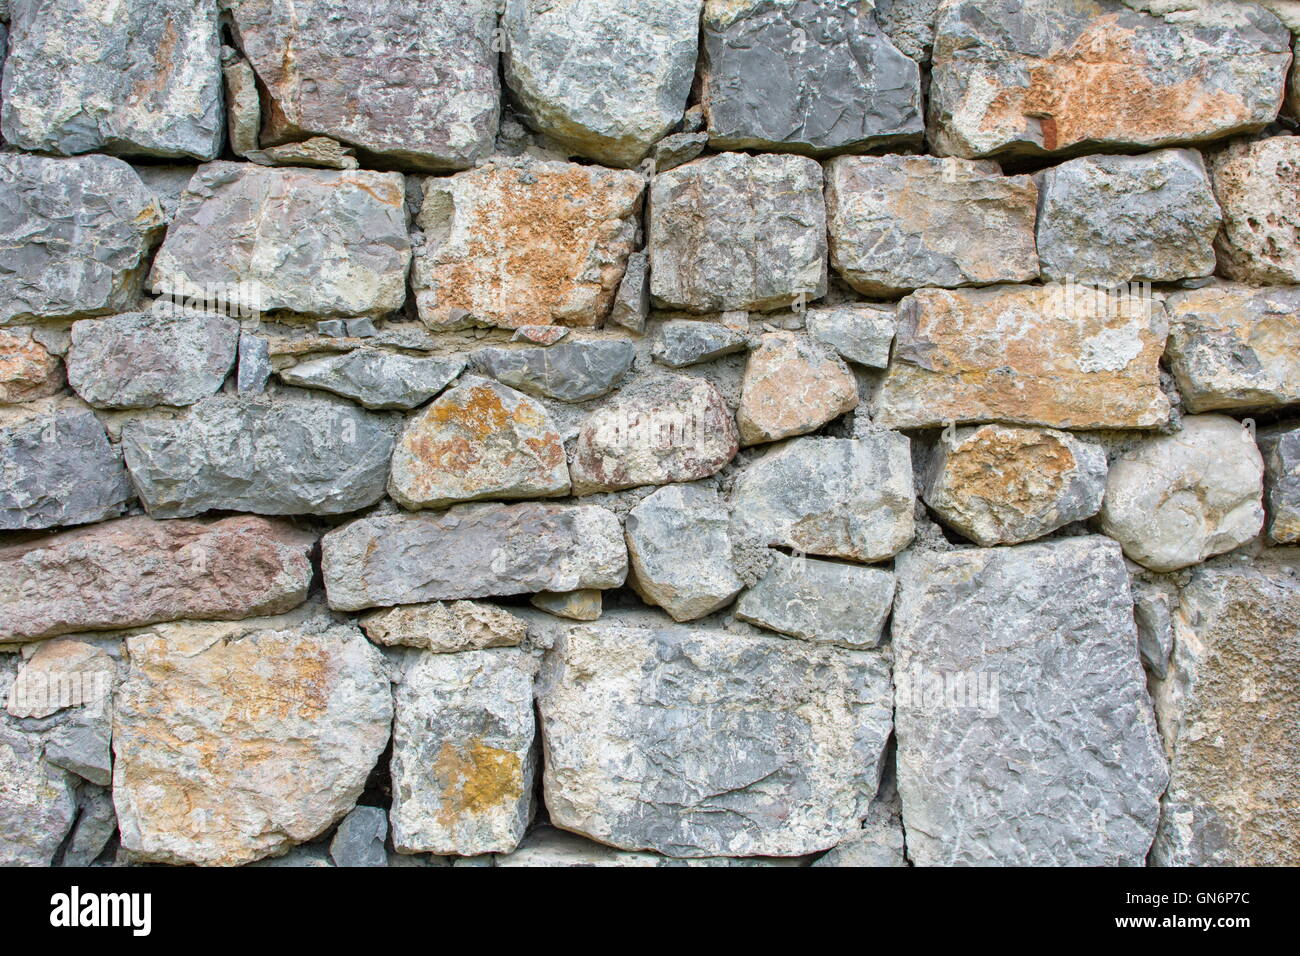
(243,105)
(820,601)
(602,80)
(1114,219)
(317,151)
(632,300)
(1025,733)
(734,231)
(254,365)
(142,77)
(679,545)
(445,628)
(167,181)
(898,223)
(353,261)
(545,846)
(479,440)
(683,342)
(464,765)
(1258,186)
(812,76)
(142,359)
(1031,77)
(375,378)
(75,235)
(531,243)
(308,453)
(234,742)
(1232,346)
(359,840)
(672,429)
(137,571)
(910,25)
(472,551)
(96,825)
(1281,449)
(672,151)
(27,369)
(569,372)
(879,842)
(1004,485)
(1074,359)
(792,386)
(414,84)
(841,498)
(1153,610)
(584,605)
(1175,500)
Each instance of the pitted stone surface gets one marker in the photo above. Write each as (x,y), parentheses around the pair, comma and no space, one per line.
(445,628)
(820,601)
(375,378)
(1281,449)
(1258,186)
(570,371)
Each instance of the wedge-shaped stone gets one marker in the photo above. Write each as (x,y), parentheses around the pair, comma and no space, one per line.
(1025,733)
(899,223)
(545,846)
(1281,449)
(527,243)
(479,440)
(464,765)
(302,453)
(445,628)
(699,742)
(1034,77)
(472,551)
(1257,186)
(239,231)
(683,342)
(792,386)
(237,741)
(820,601)
(859,333)
(411,83)
(568,372)
(375,378)
(1064,356)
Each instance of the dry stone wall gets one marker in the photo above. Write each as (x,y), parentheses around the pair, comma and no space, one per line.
(649,432)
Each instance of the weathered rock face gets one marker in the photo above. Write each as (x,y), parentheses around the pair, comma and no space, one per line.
(569,372)
(548,847)
(1113,219)
(672,429)
(479,440)
(583,605)
(735,231)
(1232,346)
(142,572)
(1281,450)
(305,453)
(359,840)
(532,243)
(445,628)
(603,80)
(1025,733)
(353,261)
(1176,500)
(805,75)
(788,767)
(464,766)
(74,238)
(795,598)
(27,370)
(792,386)
(59,469)
(1074,359)
(375,378)
(1258,186)
(1047,76)
(139,78)
(142,359)
(1228,712)
(910,26)
(836,497)
(898,223)
(683,342)
(236,741)
(1002,485)
(859,333)
(472,551)
(412,83)
(632,300)
(679,544)
(1153,611)
(878,843)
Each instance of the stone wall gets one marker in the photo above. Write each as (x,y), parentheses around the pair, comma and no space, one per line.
(649,432)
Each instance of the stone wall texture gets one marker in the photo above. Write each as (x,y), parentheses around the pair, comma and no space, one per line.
(649,433)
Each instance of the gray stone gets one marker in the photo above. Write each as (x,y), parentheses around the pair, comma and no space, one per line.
(1256,184)
(362,328)
(167,183)
(142,77)
(96,825)
(683,342)
(359,840)
(301,453)
(1153,610)
(1113,219)
(584,605)
(679,544)
(74,238)
(414,84)
(445,628)
(672,151)
(332,328)
(734,231)
(254,365)
(1025,733)
(1281,449)
(632,301)
(820,601)
(570,371)
(603,80)
(243,104)
(59,469)
(859,333)
(842,498)
(1175,500)
(39,805)
(879,842)
(909,25)
(141,359)
(353,261)
(811,76)
(375,378)
(545,846)
(698,742)
(82,747)
(472,551)
(464,764)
